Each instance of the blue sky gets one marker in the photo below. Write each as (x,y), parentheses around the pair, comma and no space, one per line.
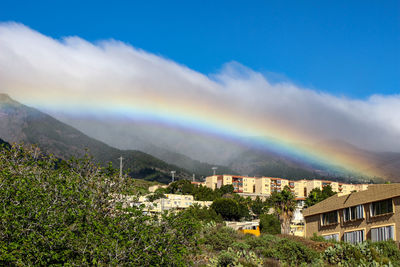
(349,48)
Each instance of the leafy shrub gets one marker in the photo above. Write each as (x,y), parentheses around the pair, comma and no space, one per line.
(361,254)
(291,252)
(220,238)
(73,213)
(388,249)
(270,224)
(240,246)
(261,242)
(318,238)
(226,258)
(230,257)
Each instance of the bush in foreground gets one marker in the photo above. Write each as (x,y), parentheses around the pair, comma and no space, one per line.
(71,213)
(363,254)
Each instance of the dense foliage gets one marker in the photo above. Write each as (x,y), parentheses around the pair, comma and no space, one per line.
(74,214)
(269,224)
(229,209)
(363,254)
(199,192)
(203,214)
(317,195)
(284,204)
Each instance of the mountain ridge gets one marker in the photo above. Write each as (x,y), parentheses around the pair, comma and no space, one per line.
(246,158)
(23,124)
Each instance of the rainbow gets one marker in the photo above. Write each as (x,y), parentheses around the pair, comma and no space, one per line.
(217,120)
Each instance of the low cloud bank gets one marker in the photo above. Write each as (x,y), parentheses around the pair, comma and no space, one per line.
(35,68)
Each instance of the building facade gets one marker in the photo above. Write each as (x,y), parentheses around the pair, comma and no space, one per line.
(171,202)
(372,214)
(264,186)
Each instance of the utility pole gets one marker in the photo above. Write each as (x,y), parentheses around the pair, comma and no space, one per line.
(214,170)
(173,175)
(120,166)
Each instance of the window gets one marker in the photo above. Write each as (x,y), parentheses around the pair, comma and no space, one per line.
(382,233)
(354,237)
(381,207)
(329,218)
(353,213)
(332,236)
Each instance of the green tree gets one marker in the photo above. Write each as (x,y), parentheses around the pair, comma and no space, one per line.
(204,193)
(225,189)
(204,214)
(284,204)
(184,187)
(228,208)
(269,224)
(317,195)
(257,206)
(159,193)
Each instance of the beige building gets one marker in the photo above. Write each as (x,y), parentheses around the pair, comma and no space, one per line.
(372,214)
(264,186)
(172,201)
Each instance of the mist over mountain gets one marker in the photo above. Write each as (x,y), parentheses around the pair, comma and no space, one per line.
(241,156)
(166,148)
(22,124)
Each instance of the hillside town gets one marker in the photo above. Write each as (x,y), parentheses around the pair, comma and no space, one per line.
(263,187)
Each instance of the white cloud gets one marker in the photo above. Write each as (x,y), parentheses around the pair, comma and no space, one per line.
(35,67)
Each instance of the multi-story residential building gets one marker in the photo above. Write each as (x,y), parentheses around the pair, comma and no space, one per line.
(264,186)
(212,181)
(241,184)
(372,214)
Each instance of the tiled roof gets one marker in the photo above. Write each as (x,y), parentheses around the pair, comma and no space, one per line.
(373,193)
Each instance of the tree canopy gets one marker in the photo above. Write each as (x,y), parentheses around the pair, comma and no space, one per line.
(230,209)
(284,204)
(317,195)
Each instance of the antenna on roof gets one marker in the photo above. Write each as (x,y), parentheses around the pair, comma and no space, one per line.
(214,170)
(173,175)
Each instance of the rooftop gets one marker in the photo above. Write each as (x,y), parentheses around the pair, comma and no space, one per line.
(373,193)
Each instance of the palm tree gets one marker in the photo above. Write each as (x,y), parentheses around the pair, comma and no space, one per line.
(284,204)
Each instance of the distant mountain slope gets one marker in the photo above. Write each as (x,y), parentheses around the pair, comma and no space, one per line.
(19,123)
(259,163)
(387,163)
(157,141)
(195,166)
(243,156)
(256,162)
